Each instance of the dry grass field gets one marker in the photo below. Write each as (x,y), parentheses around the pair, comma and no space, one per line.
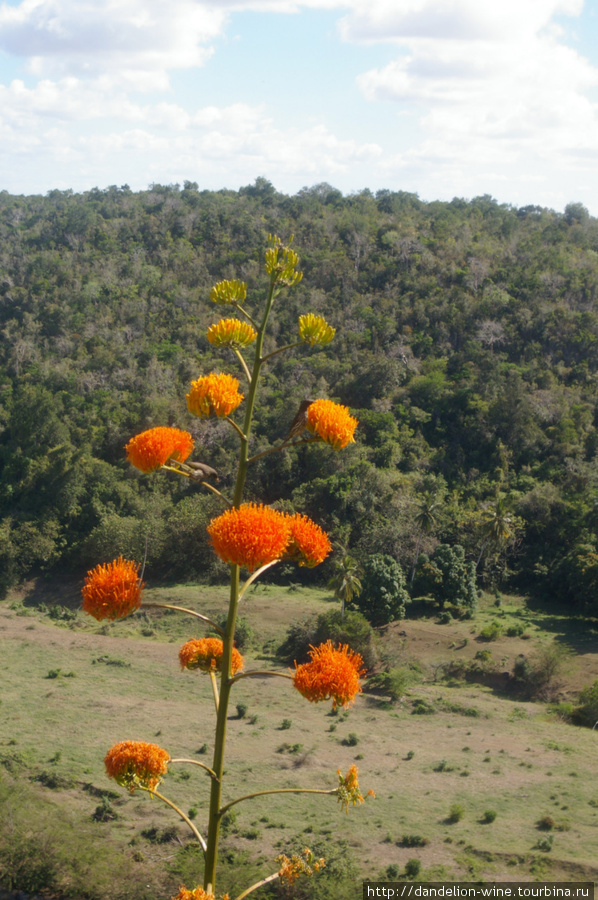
(71,688)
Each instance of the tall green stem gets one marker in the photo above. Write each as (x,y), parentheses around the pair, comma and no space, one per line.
(215,813)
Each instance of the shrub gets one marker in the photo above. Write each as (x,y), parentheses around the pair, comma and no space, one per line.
(354,630)
(545,843)
(351,740)
(491,632)
(456,812)
(447,577)
(488,816)
(384,593)
(286,724)
(413,840)
(586,710)
(105,812)
(241,710)
(422,708)
(539,677)
(392,872)
(393,683)
(244,634)
(546,823)
(412,868)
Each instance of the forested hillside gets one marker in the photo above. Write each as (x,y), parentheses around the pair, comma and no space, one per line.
(467,347)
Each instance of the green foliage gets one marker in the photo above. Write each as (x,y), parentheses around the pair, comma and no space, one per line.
(466,346)
(456,813)
(394,683)
(413,840)
(447,577)
(412,868)
(491,632)
(384,596)
(489,816)
(586,710)
(353,629)
(538,677)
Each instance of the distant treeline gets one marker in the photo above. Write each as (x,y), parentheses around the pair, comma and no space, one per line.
(467,346)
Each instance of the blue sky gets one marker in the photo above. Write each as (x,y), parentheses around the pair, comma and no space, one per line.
(443,98)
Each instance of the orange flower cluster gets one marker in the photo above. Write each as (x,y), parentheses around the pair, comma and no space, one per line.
(331,422)
(197,894)
(135,764)
(253,535)
(151,449)
(298,864)
(214,395)
(250,535)
(206,654)
(348,789)
(113,590)
(231,332)
(309,545)
(332,673)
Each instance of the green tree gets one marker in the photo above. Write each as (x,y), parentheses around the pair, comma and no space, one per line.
(425,520)
(346,582)
(447,577)
(384,595)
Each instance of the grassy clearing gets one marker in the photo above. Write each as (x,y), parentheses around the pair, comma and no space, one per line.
(72,688)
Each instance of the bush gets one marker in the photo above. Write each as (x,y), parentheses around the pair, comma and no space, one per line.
(489,816)
(422,708)
(353,630)
(244,634)
(456,813)
(491,632)
(586,710)
(241,710)
(351,740)
(413,840)
(538,678)
(384,594)
(393,683)
(447,577)
(412,868)
(545,843)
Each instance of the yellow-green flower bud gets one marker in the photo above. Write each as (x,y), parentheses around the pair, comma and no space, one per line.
(230,292)
(281,261)
(315,330)
(231,332)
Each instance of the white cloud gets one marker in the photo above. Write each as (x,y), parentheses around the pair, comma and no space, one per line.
(498,97)
(137,41)
(472,20)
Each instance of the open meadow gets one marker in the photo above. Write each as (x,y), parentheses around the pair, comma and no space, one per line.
(470,780)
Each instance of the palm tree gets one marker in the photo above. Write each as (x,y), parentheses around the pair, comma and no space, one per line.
(346,582)
(498,526)
(425,521)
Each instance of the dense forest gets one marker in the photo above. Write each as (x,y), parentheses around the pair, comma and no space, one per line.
(466,345)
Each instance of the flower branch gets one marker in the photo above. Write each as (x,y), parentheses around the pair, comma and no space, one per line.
(190,612)
(232,803)
(185,819)
(195,762)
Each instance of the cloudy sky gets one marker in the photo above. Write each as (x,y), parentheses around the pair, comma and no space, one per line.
(443,98)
